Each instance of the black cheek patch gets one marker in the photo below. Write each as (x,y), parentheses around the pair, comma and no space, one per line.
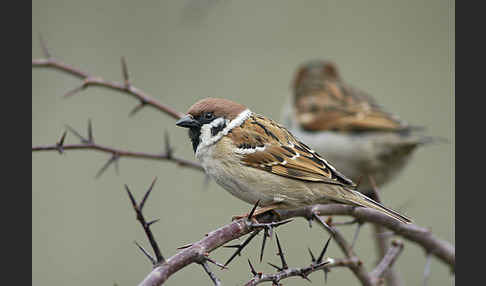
(216,129)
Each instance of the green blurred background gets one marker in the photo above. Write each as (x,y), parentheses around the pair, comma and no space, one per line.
(401,52)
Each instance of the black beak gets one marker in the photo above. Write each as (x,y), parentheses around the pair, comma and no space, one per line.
(188,122)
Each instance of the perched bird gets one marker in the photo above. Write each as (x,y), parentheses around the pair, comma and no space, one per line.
(257,160)
(346,126)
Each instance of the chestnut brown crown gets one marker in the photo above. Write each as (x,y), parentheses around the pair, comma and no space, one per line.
(220,107)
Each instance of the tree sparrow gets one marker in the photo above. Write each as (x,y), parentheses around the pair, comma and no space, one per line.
(348,127)
(258,160)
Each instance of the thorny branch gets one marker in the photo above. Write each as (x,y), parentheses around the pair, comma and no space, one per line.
(159,259)
(116,154)
(325,264)
(126,87)
(146,225)
(217,238)
(88,80)
(439,248)
(357,265)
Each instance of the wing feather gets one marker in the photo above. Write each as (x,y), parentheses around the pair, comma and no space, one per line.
(341,108)
(269,146)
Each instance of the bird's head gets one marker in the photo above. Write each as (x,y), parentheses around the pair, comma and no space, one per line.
(312,75)
(211,118)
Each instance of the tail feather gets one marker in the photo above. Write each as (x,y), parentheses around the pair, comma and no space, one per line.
(359,199)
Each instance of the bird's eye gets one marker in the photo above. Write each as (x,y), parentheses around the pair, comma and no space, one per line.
(208,115)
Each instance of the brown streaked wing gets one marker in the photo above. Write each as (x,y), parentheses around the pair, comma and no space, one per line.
(283,155)
(342,108)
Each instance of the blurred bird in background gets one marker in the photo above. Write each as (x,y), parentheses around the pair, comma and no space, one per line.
(347,127)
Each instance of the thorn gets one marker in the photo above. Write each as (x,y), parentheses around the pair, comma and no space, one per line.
(280,253)
(275,266)
(117,167)
(80,137)
(251,268)
(146,253)
(355,236)
(313,259)
(125,72)
(185,246)
(265,234)
(279,223)
(132,199)
(214,261)
(241,246)
(74,91)
(326,270)
(271,224)
(321,256)
(90,132)
(213,277)
(137,108)
(45,51)
(250,215)
(305,277)
(142,203)
(169,151)
(158,255)
(60,143)
(153,221)
(110,161)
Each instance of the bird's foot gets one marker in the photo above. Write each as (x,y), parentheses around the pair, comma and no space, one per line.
(260,211)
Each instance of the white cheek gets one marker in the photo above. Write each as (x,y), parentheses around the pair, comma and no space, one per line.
(205,133)
(207,139)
